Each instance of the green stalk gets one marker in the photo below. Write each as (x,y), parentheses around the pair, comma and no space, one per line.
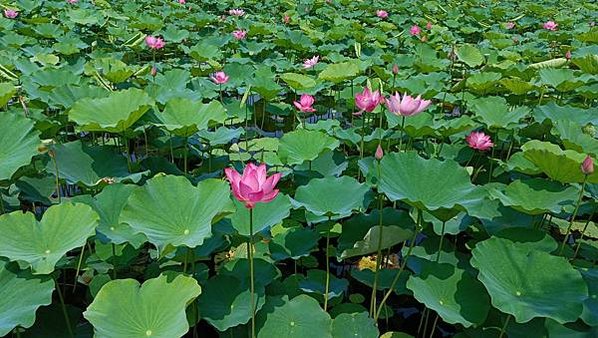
(583,186)
(440,244)
(401,268)
(378,256)
(504,327)
(251,272)
(327,266)
(402,131)
(67,320)
(583,232)
(185,155)
(78,267)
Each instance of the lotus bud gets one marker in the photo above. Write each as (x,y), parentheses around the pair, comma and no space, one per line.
(587,167)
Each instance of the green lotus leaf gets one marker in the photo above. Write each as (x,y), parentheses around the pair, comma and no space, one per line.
(354,325)
(67,95)
(315,283)
(220,136)
(483,81)
(590,305)
(339,72)
(19,141)
(396,335)
(184,117)
(303,145)
(225,302)
(299,317)
(529,283)
(332,196)
(537,196)
(20,297)
(516,85)
(123,308)
(441,187)
(294,243)
(453,293)
(560,79)
(265,215)
(80,164)
(42,243)
(298,81)
(532,239)
(109,205)
(385,278)
(495,112)
(553,112)
(560,165)
(169,210)
(588,63)
(115,113)
(391,236)
(7,91)
(574,138)
(329,163)
(470,55)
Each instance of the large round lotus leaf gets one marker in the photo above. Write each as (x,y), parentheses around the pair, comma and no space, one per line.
(332,196)
(315,283)
(496,113)
(125,309)
(354,325)
(385,278)
(441,187)
(184,117)
(170,210)
(529,283)
(109,204)
(41,244)
(531,239)
(294,243)
(560,165)
(298,81)
(20,296)
(225,302)
(299,317)
(590,305)
(453,293)
(303,145)
(537,196)
(574,138)
(391,236)
(470,55)
(80,164)
(265,215)
(115,113)
(339,72)
(7,91)
(19,141)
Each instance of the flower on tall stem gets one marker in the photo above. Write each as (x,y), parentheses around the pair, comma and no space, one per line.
(219,78)
(368,101)
(587,166)
(382,14)
(310,63)
(479,141)
(305,103)
(407,106)
(568,55)
(236,12)
(10,13)
(239,34)
(154,42)
(550,25)
(415,30)
(510,25)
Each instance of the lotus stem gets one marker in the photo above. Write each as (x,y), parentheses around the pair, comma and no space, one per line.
(327,287)
(251,272)
(78,266)
(401,268)
(67,320)
(440,244)
(402,132)
(185,155)
(583,232)
(504,327)
(378,256)
(583,186)
(434,327)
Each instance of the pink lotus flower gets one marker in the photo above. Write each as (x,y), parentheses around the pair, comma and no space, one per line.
(310,63)
(182,2)
(236,12)
(379,153)
(239,34)
(382,14)
(568,55)
(408,106)
(154,71)
(510,25)
(395,69)
(72,1)
(587,167)
(286,19)
(154,42)
(479,141)
(253,186)
(10,13)
(550,25)
(429,25)
(305,103)
(368,101)
(219,78)
(415,30)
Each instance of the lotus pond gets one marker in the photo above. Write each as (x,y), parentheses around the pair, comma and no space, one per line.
(309,168)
